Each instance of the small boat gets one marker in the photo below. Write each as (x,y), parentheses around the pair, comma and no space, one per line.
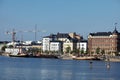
(45,56)
(86,58)
(18,55)
(16,52)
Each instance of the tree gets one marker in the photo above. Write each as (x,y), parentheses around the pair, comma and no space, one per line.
(77,51)
(87,51)
(34,51)
(10,46)
(47,52)
(81,51)
(98,50)
(103,52)
(3,48)
(68,49)
(40,50)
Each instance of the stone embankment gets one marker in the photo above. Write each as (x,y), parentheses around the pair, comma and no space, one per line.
(113,59)
(65,56)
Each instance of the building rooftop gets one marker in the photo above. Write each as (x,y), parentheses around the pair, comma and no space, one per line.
(105,33)
(4,42)
(101,34)
(56,41)
(59,35)
(51,36)
(83,40)
(63,35)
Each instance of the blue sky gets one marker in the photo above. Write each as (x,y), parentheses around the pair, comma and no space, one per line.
(80,16)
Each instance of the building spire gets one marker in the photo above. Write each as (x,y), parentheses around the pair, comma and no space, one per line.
(115,25)
(115,30)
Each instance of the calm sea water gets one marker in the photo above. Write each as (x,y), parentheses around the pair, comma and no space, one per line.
(56,69)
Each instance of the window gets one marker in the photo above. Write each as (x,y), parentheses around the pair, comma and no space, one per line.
(82,44)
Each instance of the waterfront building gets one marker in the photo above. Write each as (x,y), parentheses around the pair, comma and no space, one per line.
(82,45)
(46,42)
(62,36)
(56,46)
(104,42)
(69,43)
(68,39)
(63,39)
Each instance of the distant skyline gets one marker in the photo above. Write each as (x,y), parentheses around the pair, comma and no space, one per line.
(64,16)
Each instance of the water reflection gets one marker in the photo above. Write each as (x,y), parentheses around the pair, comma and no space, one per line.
(50,69)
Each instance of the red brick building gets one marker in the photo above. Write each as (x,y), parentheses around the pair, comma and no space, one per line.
(109,42)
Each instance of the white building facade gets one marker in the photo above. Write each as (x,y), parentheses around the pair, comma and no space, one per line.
(56,46)
(60,42)
(82,45)
(46,44)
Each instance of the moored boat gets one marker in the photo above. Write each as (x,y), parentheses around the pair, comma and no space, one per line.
(86,58)
(16,52)
(18,55)
(44,56)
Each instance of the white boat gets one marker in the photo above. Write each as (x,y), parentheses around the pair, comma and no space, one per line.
(16,52)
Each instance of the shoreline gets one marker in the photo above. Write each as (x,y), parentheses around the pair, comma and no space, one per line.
(64,57)
(113,60)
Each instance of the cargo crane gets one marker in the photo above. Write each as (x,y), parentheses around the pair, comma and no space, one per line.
(13,33)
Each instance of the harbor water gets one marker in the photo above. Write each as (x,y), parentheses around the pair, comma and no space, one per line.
(56,69)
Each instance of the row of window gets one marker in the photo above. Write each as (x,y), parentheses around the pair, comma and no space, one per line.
(102,45)
(103,40)
(54,44)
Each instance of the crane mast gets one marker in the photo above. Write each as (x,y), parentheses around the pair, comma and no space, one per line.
(13,33)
